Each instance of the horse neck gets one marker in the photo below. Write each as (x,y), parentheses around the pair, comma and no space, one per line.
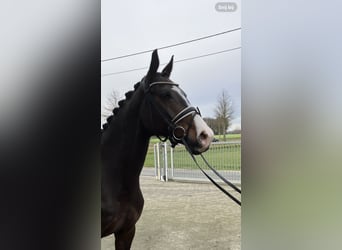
(127,135)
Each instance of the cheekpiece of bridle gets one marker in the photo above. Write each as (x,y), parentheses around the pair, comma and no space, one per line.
(176,132)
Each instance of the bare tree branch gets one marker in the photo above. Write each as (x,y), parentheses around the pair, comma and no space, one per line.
(224,112)
(111,102)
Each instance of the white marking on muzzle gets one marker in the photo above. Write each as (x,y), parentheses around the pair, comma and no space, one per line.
(204,134)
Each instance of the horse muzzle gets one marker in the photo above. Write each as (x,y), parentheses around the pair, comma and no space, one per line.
(202,138)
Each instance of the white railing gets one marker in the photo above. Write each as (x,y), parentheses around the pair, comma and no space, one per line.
(176,163)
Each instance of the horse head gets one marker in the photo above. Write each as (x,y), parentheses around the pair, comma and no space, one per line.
(167,111)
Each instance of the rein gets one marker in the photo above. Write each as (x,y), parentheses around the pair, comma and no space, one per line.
(177,134)
(217,174)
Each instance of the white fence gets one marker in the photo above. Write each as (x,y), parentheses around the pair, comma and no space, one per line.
(177,164)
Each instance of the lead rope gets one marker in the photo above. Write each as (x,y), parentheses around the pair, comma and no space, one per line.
(217,185)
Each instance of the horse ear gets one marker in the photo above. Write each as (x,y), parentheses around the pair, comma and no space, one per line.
(168,68)
(153,66)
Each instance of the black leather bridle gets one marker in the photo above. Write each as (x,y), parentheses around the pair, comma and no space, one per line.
(176,132)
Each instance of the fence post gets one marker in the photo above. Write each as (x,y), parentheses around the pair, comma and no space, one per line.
(158,162)
(171,161)
(165,162)
(155,161)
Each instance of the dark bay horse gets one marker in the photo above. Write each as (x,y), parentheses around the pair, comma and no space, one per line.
(157,106)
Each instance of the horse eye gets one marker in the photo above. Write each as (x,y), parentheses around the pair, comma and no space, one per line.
(166,95)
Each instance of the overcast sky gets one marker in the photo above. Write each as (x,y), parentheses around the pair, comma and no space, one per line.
(134,26)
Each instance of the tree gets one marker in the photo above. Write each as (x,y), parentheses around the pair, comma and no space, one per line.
(212,123)
(224,112)
(111,103)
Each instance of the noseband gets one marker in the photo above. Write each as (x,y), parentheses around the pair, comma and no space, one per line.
(176,132)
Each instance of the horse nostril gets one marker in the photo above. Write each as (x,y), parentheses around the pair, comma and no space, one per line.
(203,136)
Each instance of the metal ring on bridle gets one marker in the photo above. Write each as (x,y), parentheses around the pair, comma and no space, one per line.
(179,138)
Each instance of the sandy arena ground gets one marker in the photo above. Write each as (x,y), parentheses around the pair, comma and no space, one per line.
(184,216)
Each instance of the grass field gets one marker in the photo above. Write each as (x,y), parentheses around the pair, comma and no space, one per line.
(221,156)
